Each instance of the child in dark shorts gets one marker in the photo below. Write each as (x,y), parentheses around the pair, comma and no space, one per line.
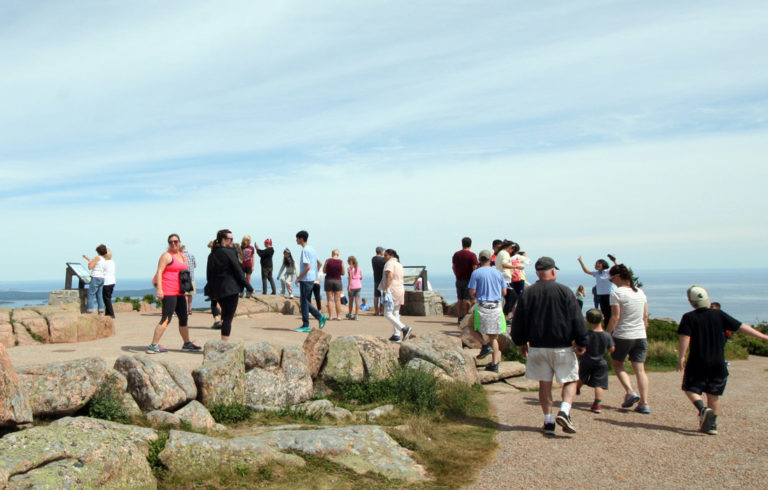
(705,372)
(593,369)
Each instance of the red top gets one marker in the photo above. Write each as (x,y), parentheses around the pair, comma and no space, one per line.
(464,262)
(248,256)
(333,269)
(171,285)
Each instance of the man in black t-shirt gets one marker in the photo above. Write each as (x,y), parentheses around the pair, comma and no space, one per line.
(703,331)
(377,263)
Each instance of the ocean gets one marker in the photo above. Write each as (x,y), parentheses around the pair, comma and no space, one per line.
(743,293)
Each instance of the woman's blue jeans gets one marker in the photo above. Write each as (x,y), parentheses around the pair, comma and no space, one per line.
(95,294)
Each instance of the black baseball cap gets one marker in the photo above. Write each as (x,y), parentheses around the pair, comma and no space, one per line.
(546,263)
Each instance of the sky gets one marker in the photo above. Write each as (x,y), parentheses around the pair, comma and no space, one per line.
(574,128)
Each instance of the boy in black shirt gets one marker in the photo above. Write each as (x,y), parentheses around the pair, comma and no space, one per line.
(705,372)
(593,368)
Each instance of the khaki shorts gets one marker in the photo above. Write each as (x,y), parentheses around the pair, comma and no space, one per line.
(544,363)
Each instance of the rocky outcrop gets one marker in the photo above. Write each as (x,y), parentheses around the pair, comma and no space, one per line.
(316,346)
(359,448)
(61,388)
(343,362)
(507,369)
(52,324)
(14,406)
(264,355)
(380,357)
(444,352)
(152,385)
(221,378)
(289,384)
(77,453)
(196,415)
(6,333)
(189,452)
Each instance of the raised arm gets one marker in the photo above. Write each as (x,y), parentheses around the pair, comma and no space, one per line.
(747,330)
(584,267)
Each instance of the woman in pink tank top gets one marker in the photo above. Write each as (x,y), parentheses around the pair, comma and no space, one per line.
(355,276)
(169,292)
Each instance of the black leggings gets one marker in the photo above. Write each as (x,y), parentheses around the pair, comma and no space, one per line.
(509,300)
(173,304)
(605,306)
(228,306)
(106,293)
(316,292)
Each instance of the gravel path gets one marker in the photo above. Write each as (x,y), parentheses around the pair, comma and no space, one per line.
(630,450)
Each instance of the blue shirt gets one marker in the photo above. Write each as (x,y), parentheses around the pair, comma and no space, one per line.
(488,283)
(308,256)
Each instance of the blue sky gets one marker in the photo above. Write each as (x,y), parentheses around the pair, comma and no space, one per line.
(638,128)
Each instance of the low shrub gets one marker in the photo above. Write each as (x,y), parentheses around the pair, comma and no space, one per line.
(662,330)
(457,400)
(414,390)
(107,404)
(661,356)
(513,355)
(734,351)
(155,448)
(230,413)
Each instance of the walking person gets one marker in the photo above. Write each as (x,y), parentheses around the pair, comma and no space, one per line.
(354,286)
(546,324)
(377,264)
(392,289)
(333,270)
(95,302)
(487,289)
(192,264)
(308,265)
(248,254)
(703,331)
(628,325)
(109,283)
(167,284)
(265,259)
(226,279)
(289,267)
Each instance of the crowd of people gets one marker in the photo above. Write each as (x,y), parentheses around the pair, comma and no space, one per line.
(543,319)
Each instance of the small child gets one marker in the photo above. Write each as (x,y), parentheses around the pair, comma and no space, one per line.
(593,369)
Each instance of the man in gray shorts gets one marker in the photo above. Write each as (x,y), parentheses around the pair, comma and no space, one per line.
(546,324)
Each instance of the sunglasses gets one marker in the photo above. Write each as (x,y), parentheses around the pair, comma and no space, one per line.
(173,241)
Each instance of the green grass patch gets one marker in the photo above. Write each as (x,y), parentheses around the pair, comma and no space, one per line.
(228,414)
(413,390)
(107,404)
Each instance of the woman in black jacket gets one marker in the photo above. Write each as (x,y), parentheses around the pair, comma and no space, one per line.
(225,279)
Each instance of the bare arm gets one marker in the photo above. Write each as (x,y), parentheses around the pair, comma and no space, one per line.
(615,314)
(161,265)
(388,280)
(682,347)
(584,267)
(645,315)
(91,262)
(325,266)
(473,295)
(747,330)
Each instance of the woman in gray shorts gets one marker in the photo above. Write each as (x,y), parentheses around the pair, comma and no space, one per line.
(333,269)
(628,325)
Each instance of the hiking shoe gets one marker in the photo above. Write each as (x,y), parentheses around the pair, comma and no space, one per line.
(354,317)
(303,329)
(492,367)
(156,349)
(596,408)
(322,321)
(706,420)
(394,338)
(349,316)
(549,429)
(190,347)
(216,326)
(712,431)
(630,399)
(485,351)
(564,421)
(406,333)
(643,408)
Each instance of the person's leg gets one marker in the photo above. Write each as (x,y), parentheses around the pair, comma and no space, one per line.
(263,281)
(305,292)
(599,395)
(621,374)
(181,313)
(168,306)
(642,381)
(228,309)
(271,280)
(493,339)
(330,303)
(376,297)
(337,298)
(393,316)
(315,312)
(107,294)
(545,397)
(100,295)
(316,292)
(605,307)
(568,393)
(290,285)
(215,310)
(350,303)
(713,403)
